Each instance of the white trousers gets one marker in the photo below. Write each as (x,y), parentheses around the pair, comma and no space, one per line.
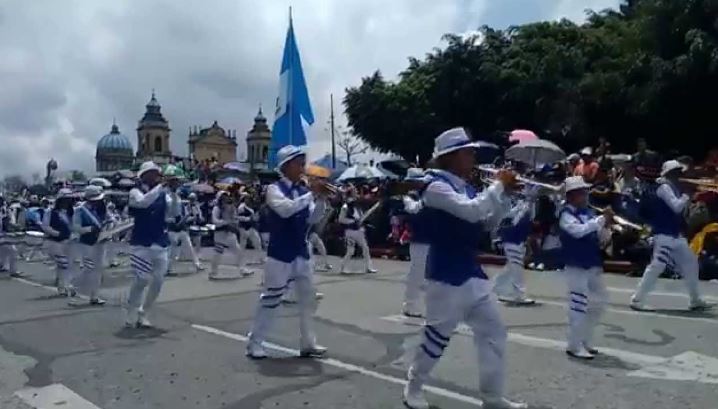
(510,282)
(277,277)
(356,238)
(415,277)
(587,298)
(181,244)
(316,242)
(252,236)
(670,252)
(63,254)
(149,265)
(473,303)
(9,255)
(223,241)
(93,265)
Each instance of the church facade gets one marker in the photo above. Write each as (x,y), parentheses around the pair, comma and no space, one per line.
(258,140)
(213,143)
(153,135)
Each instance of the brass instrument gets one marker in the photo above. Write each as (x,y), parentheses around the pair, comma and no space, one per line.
(620,220)
(333,189)
(702,185)
(547,186)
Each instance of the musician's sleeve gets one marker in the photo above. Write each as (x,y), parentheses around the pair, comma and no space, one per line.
(343,217)
(412,206)
(487,206)
(571,225)
(240,209)
(77,223)
(174,206)
(46,225)
(284,206)
(144,200)
(677,204)
(217,217)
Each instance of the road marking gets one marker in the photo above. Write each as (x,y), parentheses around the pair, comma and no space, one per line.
(532,341)
(637,313)
(658,293)
(688,366)
(53,397)
(346,366)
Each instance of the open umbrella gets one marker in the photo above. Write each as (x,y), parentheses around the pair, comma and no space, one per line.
(522,135)
(230,180)
(201,188)
(126,183)
(101,182)
(361,172)
(239,166)
(535,152)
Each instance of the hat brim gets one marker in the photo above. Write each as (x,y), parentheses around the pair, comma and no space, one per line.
(289,158)
(472,145)
(667,171)
(95,198)
(584,186)
(143,171)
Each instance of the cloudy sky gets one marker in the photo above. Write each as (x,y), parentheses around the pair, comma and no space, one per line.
(68,67)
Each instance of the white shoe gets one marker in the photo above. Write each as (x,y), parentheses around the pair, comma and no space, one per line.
(413,397)
(143,321)
(255,351)
(318,295)
(639,306)
(244,272)
(317,351)
(502,403)
(580,353)
(199,267)
(700,305)
(371,271)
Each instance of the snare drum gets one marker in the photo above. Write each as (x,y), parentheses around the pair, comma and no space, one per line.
(34,238)
(195,231)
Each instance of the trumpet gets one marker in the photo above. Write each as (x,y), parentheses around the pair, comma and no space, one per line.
(331,188)
(547,186)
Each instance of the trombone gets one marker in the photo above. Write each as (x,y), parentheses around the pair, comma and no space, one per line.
(702,185)
(547,186)
(620,220)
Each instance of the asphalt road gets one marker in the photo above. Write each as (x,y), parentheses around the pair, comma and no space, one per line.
(56,356)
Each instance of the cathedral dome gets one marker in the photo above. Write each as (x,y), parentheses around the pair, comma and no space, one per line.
(114,142)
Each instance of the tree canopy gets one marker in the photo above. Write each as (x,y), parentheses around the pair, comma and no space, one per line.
(648,69)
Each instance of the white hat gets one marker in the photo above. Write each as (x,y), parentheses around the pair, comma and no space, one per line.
(93,192)
(575,183)
(220,193)
(192,195)
(587,151)
(414,173)
(572,157)
(452,140)
(287,153)
(671,165)
(148,166)
(63,193)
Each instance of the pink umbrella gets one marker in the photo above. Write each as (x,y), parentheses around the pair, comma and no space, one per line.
(522,135)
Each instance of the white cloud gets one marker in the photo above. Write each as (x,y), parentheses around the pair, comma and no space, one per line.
(69,67)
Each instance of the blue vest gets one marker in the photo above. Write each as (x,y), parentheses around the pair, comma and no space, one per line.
(90,218)
(584,252)
(288,237)
(61,223)
(663,219)
(246,225)
(516,233)
(453,243)
(150,224)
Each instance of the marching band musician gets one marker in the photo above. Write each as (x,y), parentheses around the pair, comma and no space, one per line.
(151,204)
(58,227)
(292,208)
(350,217)
(418,249)
(514,230)
(579,230)
(670,247)
(8,251)
(178,226)
(457,288)
(248,219)
(224,217)
(111,251)
(193,212)
(88,220)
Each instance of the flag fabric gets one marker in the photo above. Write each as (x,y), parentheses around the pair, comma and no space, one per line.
(293,114)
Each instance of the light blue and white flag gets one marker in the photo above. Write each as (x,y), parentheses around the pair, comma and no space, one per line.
(294,110)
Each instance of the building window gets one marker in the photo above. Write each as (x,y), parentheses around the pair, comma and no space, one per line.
(264,154)
(158,144)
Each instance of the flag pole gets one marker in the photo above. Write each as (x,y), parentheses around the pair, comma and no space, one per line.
(290,87)
(331,116)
